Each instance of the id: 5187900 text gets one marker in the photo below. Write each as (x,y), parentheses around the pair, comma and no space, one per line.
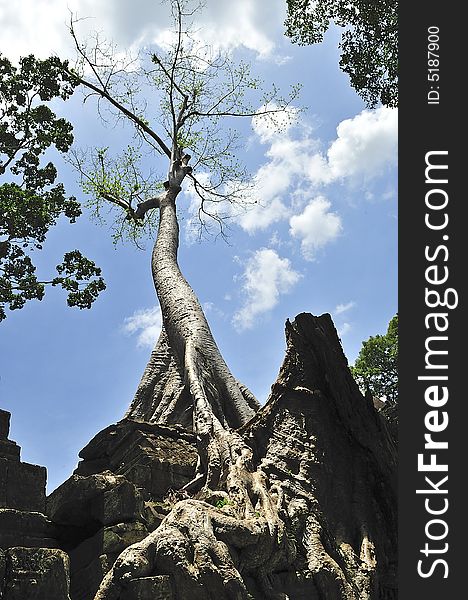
(433,62)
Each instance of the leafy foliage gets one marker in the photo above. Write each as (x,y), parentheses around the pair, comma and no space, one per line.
(223,502)
(31,202)
(106,179)
(369,43)
(376,367)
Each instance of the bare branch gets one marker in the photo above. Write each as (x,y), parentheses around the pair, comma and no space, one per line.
(171,92)
(103,93)
(126,112)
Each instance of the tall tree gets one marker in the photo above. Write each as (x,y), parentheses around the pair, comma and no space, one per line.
(369,42)
(186,380)
(31,201)
(376,367)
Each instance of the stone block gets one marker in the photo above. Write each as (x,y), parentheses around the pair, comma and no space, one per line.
(118,537)
(22,486)
(86,579)
(9,450)
(3,482)
(2,569)
(104,499)
(28,529)
(155,458)
(108,540)
(93,558)
(35,574)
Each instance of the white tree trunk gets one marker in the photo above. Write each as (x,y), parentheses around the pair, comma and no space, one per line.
(186,362)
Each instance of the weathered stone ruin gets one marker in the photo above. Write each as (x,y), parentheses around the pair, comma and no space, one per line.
(32,565)
(324,449)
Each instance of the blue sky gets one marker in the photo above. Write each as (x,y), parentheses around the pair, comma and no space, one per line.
(324,241)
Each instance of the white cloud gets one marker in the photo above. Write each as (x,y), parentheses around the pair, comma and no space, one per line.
(39,26)
(275,181)
(261,216)
(230,25)
(341,308)
(365,144)
(275,240)
(266,202)
(316,226)
(364,147)
(147,323)
(210,307)
(266,278)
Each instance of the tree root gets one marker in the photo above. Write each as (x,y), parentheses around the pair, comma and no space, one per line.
(206,550)
(162,395)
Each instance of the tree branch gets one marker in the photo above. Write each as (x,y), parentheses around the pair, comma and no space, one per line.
(144,207)
(103,93)
(125,111)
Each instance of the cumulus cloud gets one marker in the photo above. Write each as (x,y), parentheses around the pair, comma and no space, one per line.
(245,23)
(266,277)
(266,202)
(261,216)
(365,144)
(147,324)
(39,26)
(315,226)
(276,180)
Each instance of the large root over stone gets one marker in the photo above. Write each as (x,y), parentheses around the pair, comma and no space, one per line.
(209,549)
(235,529)
(297,502)
(232,527)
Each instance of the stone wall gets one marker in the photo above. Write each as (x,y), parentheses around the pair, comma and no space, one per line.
(32,566)
(61,547)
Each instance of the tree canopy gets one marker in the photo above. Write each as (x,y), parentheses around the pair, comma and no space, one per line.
(376,367)
(31,200)
(183,99)
(369,42)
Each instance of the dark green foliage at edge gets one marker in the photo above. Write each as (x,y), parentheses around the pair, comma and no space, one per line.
(376,367)
(369,42)
(31,200)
